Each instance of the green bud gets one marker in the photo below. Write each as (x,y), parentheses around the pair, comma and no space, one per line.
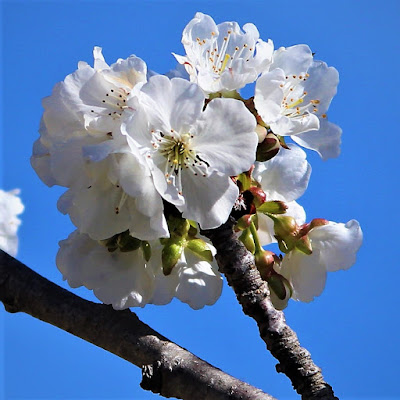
(200,248)
(244,222)
(170,255)
(245,181)
(247,239)
(272,207)
(146,248)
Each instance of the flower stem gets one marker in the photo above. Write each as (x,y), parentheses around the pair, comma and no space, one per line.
(254,233)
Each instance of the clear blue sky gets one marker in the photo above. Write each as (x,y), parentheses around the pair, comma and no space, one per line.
(352,329)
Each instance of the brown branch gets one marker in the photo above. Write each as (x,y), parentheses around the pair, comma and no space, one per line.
(167,369)
(253,294)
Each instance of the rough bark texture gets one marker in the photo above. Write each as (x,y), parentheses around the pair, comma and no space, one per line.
(252,292)
(167,369)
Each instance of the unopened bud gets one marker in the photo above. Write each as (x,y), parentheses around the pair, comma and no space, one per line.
(247,239)
(273,207)
(170,255)
(200,248)
(261,133)
(268,148)
(286,231)
(259,196)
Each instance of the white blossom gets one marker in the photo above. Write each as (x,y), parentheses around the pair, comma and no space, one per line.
(223,57)
(81,148)
(126,279)
(293,98)
(193,153)
(10,207)
(334,247)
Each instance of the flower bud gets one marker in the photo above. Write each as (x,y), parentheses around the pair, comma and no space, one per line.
(170,255)
(268,148)
(259,196)
(247,239)
(273,207)
(200,247)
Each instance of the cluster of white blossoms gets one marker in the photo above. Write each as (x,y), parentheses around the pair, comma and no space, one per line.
(149,161)
(10,207)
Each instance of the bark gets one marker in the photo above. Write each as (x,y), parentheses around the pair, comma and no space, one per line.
(237,264)
(167,369)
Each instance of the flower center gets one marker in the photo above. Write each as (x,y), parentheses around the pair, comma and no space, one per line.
(293,104)
(114,103)
(219,57)
(179,156)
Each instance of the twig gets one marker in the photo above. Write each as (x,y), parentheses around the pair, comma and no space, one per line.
(167,369)
(253,294)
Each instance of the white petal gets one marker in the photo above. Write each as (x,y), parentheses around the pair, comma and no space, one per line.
(10,207)
(326,140)
(177,101)
(293,60)
(307,274)
(120,279)
(208,200)
(225,136)
(200,283)
(269,94)
(338,243)
(284,177)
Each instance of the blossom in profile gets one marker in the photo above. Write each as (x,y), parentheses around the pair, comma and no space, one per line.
(334,247)
(223,57)
(293,97)
(135,278)
(10,207)
(192,153)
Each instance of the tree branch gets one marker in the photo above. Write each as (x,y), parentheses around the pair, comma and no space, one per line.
(167,369)
(253,294)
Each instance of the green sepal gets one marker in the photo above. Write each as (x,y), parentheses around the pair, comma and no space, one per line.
(110,243)
(247,239)
(200,248)
(170,255)
(304,245)
(146,248)
(272,207)
(127,243)
(281,286)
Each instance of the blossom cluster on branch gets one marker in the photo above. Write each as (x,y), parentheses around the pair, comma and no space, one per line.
(149,160)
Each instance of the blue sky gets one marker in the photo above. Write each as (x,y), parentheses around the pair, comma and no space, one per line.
(351,330)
